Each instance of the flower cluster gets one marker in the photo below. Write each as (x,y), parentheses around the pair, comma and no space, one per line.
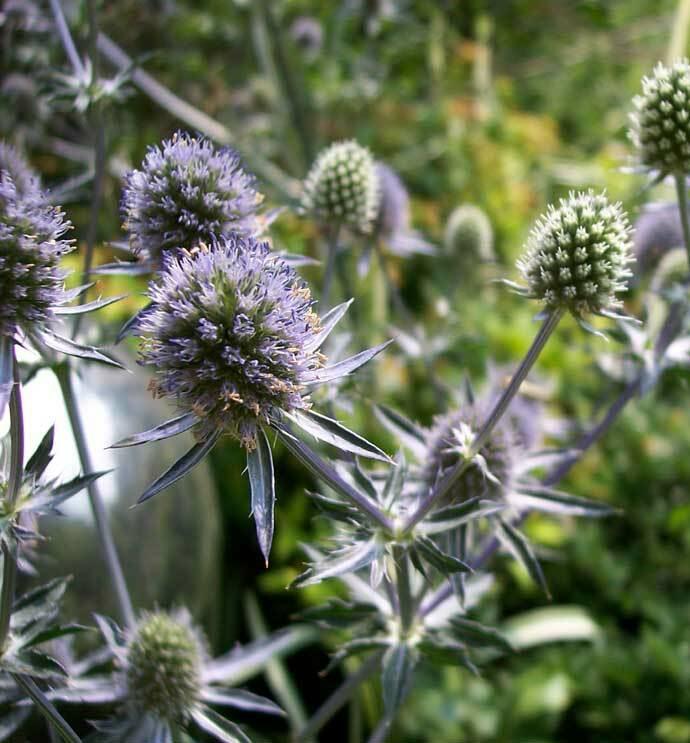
(187,192)
(229,336)
(343,187)
(577,255)
(661,122)
(31,246)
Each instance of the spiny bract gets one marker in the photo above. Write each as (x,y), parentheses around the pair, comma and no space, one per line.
(342,187)
(31,245)
(187,192)
(229,334)
(577,255)
(444,445)
(660,125)
(25,181)
(163,666)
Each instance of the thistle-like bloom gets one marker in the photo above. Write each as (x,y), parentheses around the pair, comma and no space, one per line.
(342,187)
(657,231)
(577,255)
(229,337)
(24,179)
(393,222)
(164,682)
(31,246)
(187,192)
(660,125)
(469,234)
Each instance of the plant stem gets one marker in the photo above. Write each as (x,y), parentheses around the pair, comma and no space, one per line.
(329,272)
(311,460)
(681,193)
(9,552)
(406,602)
(339,698)
(54,718)
(193,117)
(381,731)
(449,480)
(66,38)
(100,514)
(98,134)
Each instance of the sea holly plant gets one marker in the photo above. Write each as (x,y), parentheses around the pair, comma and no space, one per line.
(233,340)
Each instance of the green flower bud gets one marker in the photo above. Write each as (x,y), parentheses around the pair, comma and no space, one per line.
(164,659)
(577,255)
(342,186)
(660,125)
(469,234)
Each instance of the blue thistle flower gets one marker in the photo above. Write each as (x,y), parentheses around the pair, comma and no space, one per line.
(187,192)
(228,336)
(25,181)
(31,246)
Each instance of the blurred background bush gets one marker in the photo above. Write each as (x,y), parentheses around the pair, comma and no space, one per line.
(502,105)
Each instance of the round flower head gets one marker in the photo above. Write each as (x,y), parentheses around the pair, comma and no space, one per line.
(307,33)
(343,187)
(445,442)
(31,245)
(657,231)
(394,207)
(163,666)
(469,234)
(187,192)
(25,181)
(577,255)
(229,334)
(660,125)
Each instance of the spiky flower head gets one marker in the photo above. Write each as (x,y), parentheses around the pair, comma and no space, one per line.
(163,666)
(446,440)
(229,335)
(469,234)
(343,187)
(31,246)
(187,191)
(25,180)
(660,125)
(577,255)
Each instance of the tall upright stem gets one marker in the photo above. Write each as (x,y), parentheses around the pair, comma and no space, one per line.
(405,599)
(100,514)
(329,271)
(681,192)
(9,552)
(449,480)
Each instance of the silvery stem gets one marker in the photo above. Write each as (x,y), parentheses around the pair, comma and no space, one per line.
(66,38)
(56,721)
(339,698)
(9,552)
(100,514)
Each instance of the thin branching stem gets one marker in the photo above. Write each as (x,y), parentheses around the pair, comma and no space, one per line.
(66,38)
(449,480)
(9,552)
(339,698)
(105,535)
(681,192)
(47,709)
(381,730)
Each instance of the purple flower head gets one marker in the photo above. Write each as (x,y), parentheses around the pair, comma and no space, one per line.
(394,208)
(25,180)
(187,192)
(657,231)
(230,334)
(31,245)
(445,442)
(307,33)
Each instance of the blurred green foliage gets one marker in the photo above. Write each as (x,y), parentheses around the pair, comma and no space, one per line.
(502,103)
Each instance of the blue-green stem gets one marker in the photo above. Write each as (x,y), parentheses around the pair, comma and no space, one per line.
(339,698)
(14,483)
(53,717)
(329,271)
(499,409)
(100,515)
(682,195)
(406,602)
(66,38)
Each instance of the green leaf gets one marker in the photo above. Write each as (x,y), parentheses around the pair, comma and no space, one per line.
(218,727)
(541,498)
(453,516)
(395,481)
(446,653)
(347,560)
(396,676)
(40,459)
(262,484)
(445,564)
(476,634)
(521,549)
(173,427)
